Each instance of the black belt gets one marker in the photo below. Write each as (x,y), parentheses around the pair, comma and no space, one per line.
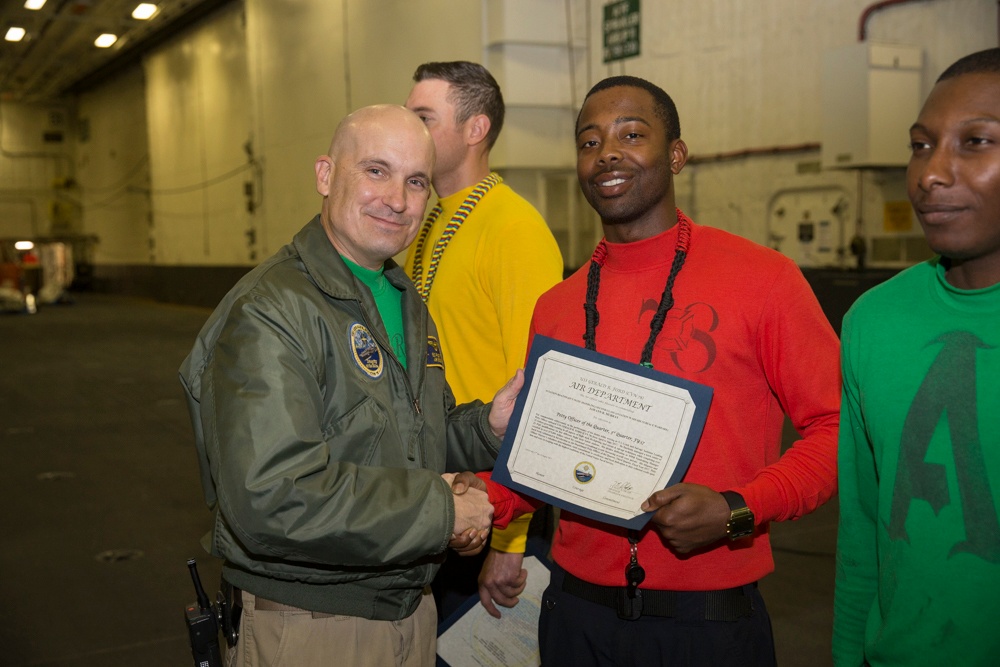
(730,604)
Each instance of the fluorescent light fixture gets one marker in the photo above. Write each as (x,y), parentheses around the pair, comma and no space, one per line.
(34,4)
(14,34)
(143,11)
(24,245)
(105,40)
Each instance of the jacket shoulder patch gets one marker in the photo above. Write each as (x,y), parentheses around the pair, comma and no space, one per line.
(435,359)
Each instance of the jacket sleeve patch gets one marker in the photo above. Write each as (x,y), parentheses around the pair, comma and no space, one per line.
(435,359)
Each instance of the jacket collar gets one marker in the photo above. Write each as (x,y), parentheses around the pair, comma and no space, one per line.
(330,273)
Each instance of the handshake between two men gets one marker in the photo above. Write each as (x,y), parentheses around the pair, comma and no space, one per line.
(473,510)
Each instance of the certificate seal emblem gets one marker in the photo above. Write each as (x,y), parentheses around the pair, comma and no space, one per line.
(367,354)
(584,472)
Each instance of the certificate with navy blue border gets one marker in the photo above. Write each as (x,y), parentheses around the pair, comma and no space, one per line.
(597,435)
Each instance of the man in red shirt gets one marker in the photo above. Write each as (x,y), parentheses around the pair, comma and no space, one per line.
(716,309)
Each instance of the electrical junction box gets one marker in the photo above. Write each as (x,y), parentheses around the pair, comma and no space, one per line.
(871,95)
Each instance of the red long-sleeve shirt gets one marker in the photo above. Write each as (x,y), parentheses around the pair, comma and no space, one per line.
(746,323)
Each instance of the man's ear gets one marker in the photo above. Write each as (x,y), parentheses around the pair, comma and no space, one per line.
(476,129)
(324,168)
(678,155)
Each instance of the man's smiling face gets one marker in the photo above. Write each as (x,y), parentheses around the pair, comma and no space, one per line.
(623,159)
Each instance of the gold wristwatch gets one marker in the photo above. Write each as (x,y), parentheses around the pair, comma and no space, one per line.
(741,519)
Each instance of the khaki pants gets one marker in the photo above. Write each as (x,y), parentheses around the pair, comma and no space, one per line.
(303,639)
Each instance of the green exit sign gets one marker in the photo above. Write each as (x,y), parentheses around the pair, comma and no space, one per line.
(621,30)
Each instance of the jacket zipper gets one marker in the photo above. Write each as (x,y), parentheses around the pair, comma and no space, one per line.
(411,454)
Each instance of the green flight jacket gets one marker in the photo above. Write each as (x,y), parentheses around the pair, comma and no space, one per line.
(320,455)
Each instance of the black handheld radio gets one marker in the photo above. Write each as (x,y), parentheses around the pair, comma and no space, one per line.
(203,624)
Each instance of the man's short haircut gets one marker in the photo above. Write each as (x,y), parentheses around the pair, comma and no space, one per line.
(663,106)
(981,62)
(473,91)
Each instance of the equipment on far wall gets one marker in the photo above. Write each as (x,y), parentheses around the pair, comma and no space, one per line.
(870,96)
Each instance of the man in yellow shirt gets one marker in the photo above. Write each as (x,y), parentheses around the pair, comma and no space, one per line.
(480,261)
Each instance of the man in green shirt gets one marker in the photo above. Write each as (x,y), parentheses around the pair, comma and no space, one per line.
(918,553)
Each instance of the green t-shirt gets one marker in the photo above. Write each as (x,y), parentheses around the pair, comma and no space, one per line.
(918,552)
(389,302)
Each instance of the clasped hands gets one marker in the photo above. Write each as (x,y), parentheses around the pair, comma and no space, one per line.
(473,513)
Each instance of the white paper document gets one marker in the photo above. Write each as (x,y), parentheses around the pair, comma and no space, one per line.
(477,639)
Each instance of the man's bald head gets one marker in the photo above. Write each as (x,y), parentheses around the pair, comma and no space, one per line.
(380,118)
(375,183)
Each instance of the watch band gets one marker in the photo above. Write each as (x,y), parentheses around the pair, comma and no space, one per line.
(741,519)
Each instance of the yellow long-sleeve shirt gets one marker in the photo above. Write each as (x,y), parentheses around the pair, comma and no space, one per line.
(488,279)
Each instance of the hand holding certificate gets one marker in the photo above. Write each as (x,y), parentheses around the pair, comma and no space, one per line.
(597,435)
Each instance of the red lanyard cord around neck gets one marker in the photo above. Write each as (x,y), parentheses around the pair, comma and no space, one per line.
(666,300)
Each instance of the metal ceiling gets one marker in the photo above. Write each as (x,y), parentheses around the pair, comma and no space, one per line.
(57,57)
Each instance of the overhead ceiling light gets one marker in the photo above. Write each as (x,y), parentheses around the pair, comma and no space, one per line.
(23,245)
(34,4)
(14,34)
(143,11)
(105,40)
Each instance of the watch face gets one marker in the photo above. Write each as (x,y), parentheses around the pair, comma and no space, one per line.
(740,523)
(741,519)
